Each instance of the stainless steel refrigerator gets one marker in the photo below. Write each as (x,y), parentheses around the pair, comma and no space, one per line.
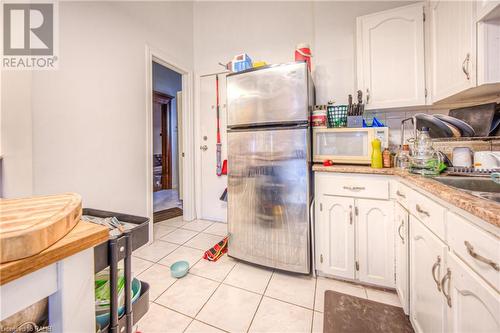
(269,169)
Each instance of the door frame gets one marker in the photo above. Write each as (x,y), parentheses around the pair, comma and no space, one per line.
(197,134)
(158,56)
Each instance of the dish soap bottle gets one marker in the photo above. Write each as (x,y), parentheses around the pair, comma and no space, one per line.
(376,154)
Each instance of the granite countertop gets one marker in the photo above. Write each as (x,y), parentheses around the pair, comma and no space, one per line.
(484,209)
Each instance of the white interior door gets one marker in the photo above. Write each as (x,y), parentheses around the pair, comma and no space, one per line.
(180,143)
(211,185)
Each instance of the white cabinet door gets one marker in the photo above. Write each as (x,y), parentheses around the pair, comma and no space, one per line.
(474,305)
(335,249)
(401,255)
(427,265)
(453,50)
(375,235)
(390,57)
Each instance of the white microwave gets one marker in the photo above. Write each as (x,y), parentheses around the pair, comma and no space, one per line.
(347,145)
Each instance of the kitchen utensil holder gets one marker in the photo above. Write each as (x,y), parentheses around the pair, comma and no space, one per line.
(337,115)
(355,121)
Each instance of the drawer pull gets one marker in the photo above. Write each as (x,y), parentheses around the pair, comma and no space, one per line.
(421,211)
(399,194)
(443,281)
(399,231)
(436,265)
(479,257)
(350,215)
(354,188)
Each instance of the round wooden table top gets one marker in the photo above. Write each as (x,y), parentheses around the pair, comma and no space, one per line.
(30,225)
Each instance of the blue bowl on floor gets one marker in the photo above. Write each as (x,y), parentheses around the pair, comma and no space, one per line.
(179,269)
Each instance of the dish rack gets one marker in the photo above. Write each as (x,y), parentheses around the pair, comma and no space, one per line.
(337,115)
(470,171)
(108,254)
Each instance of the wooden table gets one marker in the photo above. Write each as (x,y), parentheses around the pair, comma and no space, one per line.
(64,272)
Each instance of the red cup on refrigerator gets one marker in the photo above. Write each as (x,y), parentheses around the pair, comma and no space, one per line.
(303,53)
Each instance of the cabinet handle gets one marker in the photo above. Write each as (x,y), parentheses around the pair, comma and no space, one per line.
(354,188)
(465,66)
(443,281)
(367,96)
(399,194)
(350,215)
(399,231)
(421,211)
(436,265)
(479,257)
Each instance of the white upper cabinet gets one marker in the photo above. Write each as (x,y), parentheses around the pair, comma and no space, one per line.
(390,57)
(376,241)
(452,47)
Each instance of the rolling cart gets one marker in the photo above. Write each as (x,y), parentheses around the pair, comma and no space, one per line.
(108,254)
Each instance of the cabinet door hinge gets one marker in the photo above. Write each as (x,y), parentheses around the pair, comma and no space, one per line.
(423,16)
(320,207)
(357,265)
(425,92)
(321,258)
(356,210)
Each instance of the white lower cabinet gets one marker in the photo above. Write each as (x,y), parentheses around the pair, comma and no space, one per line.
(401,255)
(375,235)
(335,236)
(473,305)
(427,265)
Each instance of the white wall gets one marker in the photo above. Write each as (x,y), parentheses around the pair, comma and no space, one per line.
(89,117)
(168,82)
(16,134)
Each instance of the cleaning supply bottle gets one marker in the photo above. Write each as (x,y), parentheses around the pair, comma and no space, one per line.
(377,154)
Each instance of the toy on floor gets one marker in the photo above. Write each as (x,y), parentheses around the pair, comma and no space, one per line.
(214,253)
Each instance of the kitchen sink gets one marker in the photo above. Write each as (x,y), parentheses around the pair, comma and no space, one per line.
(481,187)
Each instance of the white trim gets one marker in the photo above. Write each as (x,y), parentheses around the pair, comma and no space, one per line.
(158,56)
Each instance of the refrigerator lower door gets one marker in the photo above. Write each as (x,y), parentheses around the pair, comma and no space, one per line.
(268,198)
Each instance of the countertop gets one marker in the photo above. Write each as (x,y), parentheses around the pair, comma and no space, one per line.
(83,236)
(484,209)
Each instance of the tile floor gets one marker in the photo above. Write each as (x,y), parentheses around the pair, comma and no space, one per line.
(228,295)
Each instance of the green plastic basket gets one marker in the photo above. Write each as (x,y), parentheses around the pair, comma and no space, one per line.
(337,115)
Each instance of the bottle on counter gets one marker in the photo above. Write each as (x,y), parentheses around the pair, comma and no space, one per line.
(403,158)
(376,154)
(386,158)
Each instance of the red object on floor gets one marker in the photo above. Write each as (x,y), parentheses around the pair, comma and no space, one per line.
(327,163)
(214,253)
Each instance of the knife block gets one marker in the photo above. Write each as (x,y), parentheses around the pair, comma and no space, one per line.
(354,121)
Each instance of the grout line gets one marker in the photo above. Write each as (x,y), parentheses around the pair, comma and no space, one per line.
(260,301)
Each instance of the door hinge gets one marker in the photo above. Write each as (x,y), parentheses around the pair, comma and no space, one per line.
(356,210)
(423,16)
(357,265)
(320,207)
(425,92)
(321,258)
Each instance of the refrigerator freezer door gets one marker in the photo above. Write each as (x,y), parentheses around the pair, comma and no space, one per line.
(271,95)
(268,198)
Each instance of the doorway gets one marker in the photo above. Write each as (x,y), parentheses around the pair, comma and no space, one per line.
(167,110)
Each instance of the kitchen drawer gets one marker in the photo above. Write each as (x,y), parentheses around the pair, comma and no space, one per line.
(430,213)
(402,194)
(479,249)
(356,186)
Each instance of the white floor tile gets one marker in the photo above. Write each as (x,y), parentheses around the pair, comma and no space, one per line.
(159,280)
(325,284)
(155,251)
(217,270)
(276,316)
(182,253)
(218,228)
(230,309)
(293,288)
(249,277)
(175,222)
(198,225)
(203,241)
(317,322)
(138,265)
(179,236)
(160,320)
(160,230)
(383,297)
(188,294)
(199,327)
